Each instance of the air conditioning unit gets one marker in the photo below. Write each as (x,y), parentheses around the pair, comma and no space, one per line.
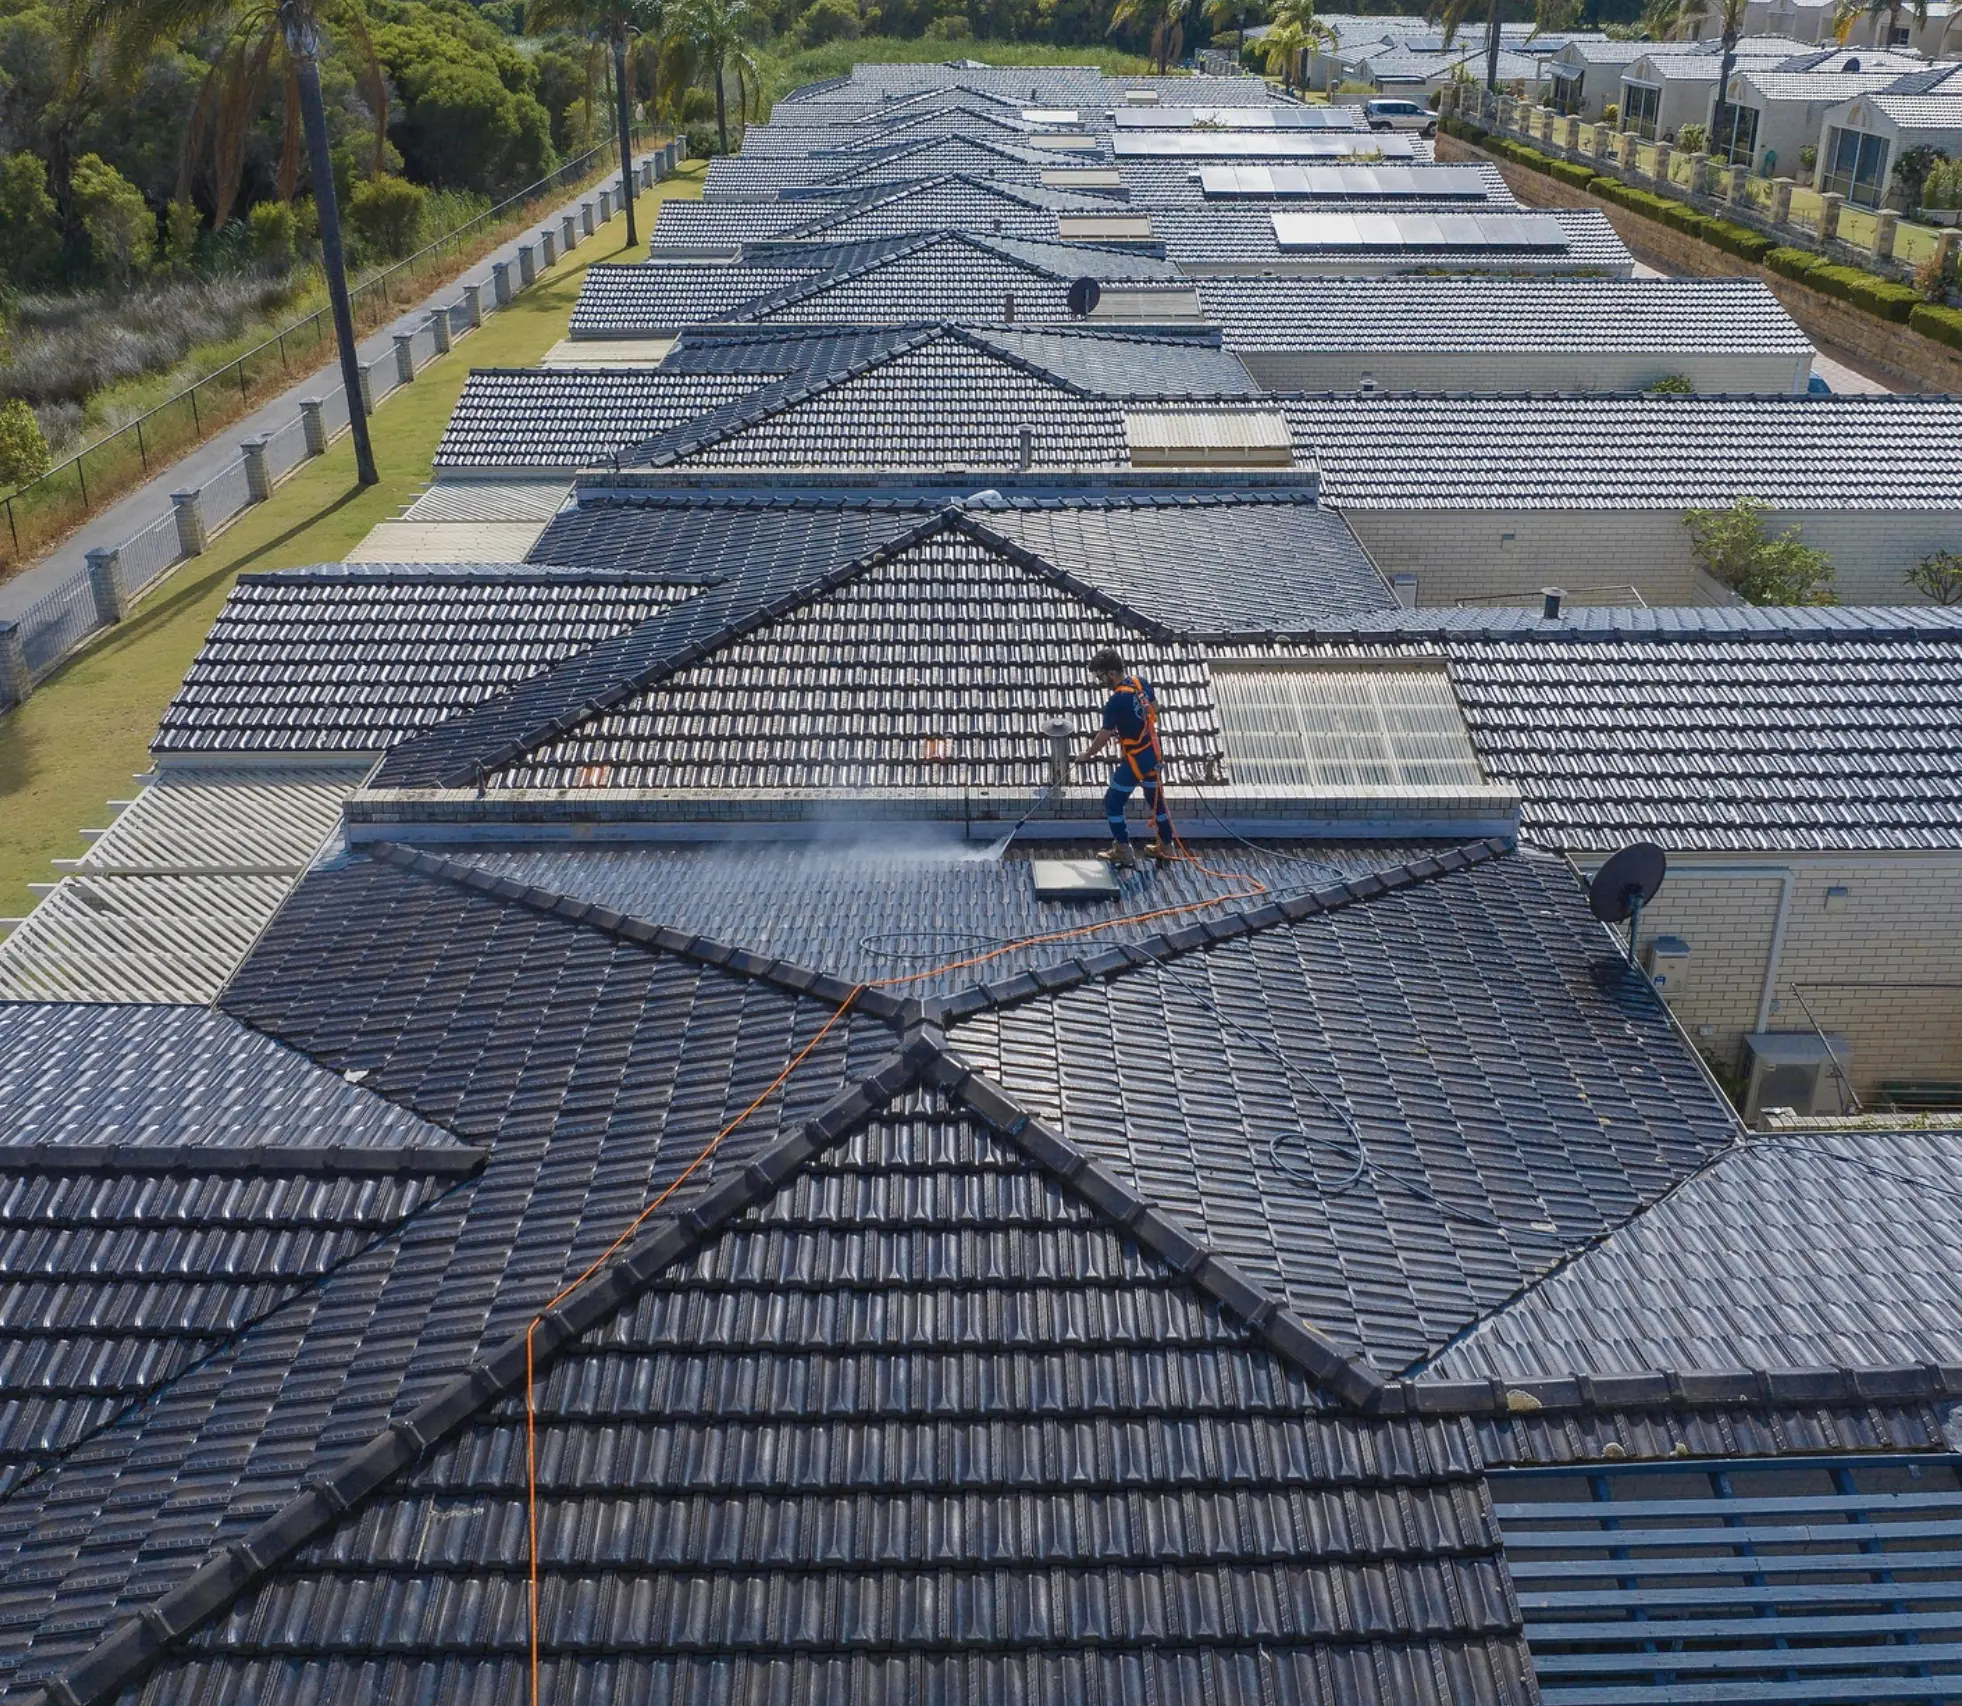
(1795,1069)
(1668,961)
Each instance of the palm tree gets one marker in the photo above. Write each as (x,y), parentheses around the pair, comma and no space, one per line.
(613,21)
(1164,19)
(1672,20)
(1547,15)
(720,30)
(1849,12)
(263,30)
(1294,33)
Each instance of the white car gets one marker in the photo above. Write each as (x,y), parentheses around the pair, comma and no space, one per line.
(1400,115)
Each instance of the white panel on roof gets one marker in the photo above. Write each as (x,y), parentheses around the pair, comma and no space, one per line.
(490,500)
(448,542)
(1333,231)
(1150,303)
(1102,227)
(1049,115)
(1318,728)
(607,352)
(1385,183)
(1231,438)
(1083,178)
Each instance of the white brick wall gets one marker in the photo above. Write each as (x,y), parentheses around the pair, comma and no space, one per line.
(1460,370)
(1478,553)
(1899,927)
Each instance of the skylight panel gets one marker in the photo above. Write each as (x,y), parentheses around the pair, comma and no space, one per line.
(1208,438)
(1103,227)
(1319,728)
(1083,178)
(1050,115)
(1151,303)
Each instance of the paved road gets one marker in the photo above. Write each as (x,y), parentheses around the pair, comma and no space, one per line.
(147,503)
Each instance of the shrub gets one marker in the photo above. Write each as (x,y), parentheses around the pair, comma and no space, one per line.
(1611,114)
(121,230)
(703,140)
(1739,240)
(386,215)
(1939,575)
(1692,137)
(182,225)
(1880,297)
(1796,264)
(272,233)
(1675,385)
(1931,280)
(23,450)
(1944,325)
(1735,549)
(828,20)
(1808,159)
(1571,173)
(697,106)
(29,217)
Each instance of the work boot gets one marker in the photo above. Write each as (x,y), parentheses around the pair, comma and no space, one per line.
(1119,855)
(1161,851)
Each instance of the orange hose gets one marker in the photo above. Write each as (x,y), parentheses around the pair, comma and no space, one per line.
(1255,887)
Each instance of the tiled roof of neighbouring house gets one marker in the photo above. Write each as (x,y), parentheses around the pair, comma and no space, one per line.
(1622,452)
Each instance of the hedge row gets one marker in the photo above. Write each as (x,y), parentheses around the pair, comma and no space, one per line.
(1880,297)
(1944,325)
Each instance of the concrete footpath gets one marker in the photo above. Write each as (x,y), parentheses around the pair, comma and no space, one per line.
(147,503)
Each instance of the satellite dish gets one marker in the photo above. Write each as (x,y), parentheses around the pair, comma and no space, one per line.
(1084,296)
(1627,882)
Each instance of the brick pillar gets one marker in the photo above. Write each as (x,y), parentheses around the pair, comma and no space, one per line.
(1570,134)
(605,205)
(1699,165)
(15,682)
(1602,145)
(1884,227)
(258,476)
(1663,153)
(191,536)
(1781,201)
(501,283)
(473,305)
(548,247)
(568,233)
(585,219)
(439,330)
(368,387)
(313,425)
(106,582)
(1945,246)
(1829,206)
(405,358)
(1739,177)
(527,266)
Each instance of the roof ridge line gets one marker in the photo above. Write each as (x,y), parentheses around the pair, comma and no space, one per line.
(669,663)
(820,280)
(1267,1315)
(128,1649)
(766,402)
(1256,920)
(1671,1389)
(787,975)
(394,1160)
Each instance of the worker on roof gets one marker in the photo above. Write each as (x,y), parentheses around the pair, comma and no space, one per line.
(1131,724)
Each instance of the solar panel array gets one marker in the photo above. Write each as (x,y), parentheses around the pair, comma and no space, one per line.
(1350,183)
(1259,145)
(1341,231)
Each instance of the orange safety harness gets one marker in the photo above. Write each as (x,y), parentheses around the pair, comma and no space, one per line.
(1132,745)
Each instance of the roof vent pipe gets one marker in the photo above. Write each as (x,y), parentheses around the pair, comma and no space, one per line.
(1025,448)
(1008,307)
(1060,749)
(1550,605)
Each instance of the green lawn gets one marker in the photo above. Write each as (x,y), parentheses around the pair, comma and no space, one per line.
(85,732)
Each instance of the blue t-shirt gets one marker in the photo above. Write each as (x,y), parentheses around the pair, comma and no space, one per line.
(1124,714)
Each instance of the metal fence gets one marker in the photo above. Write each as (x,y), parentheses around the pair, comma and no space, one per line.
(33,646)
(228,388)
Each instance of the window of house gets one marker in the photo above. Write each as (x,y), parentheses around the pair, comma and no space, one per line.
(1324,728)
(1640,104)
(1856,166)
(1822,1578)
(1739,141)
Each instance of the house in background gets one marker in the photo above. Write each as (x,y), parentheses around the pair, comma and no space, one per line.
(1777,110)
(1862,139)
(1586,74)
(1675,83)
